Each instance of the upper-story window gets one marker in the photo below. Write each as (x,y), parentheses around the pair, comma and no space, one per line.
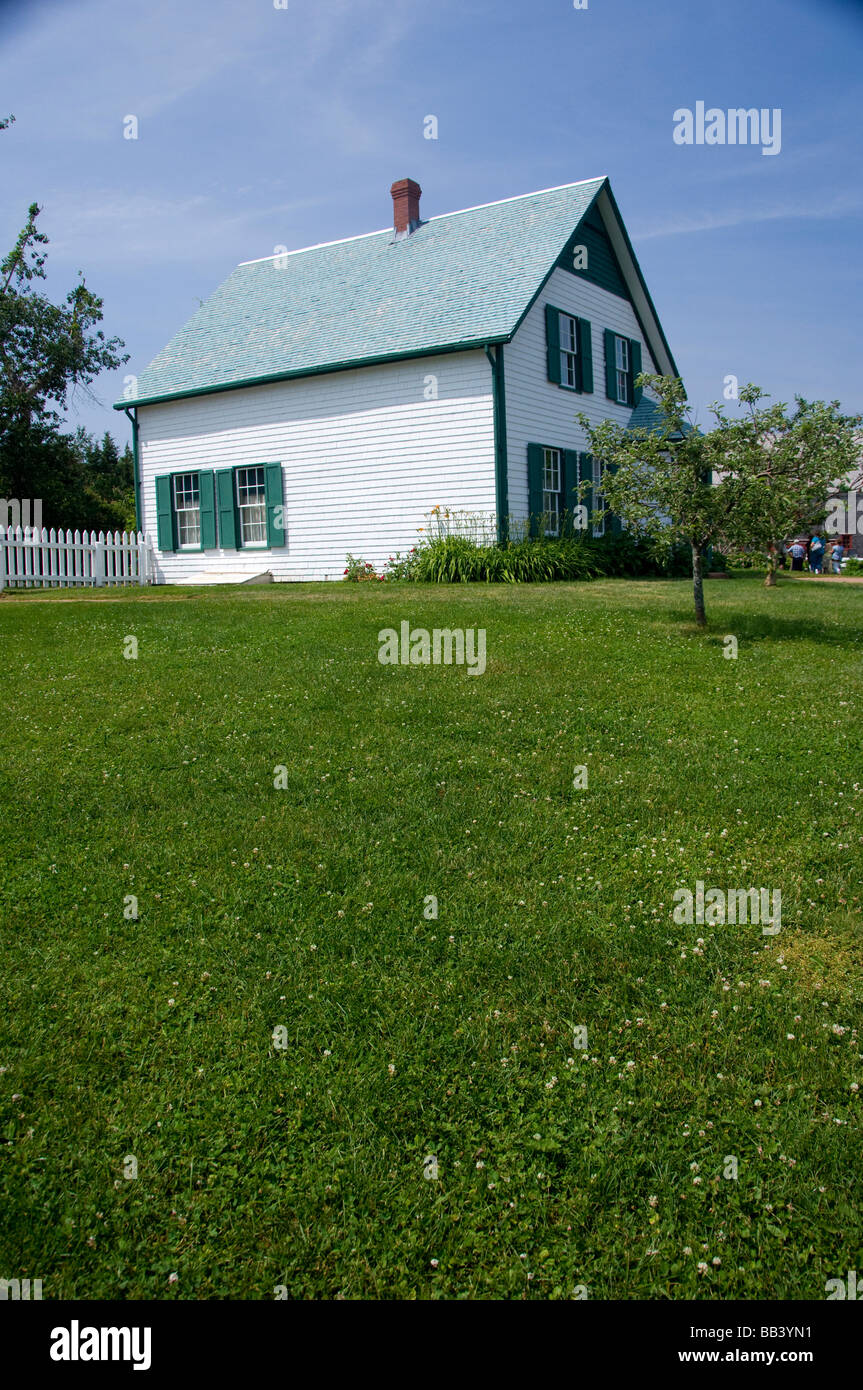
(568,351)
(622,368)
(622,365)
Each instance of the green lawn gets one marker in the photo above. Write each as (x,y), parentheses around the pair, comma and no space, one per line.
(407,1037)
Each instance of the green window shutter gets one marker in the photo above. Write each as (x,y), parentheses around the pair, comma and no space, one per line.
(273,478)
(585,475)
(552,339)
(570,490)
(610,365)
(207,493)
(635,364)
(534,487)
(165,512)
(585,356)
(225,495)
(613,523)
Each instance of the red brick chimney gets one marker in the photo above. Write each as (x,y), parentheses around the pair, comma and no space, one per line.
(406,206)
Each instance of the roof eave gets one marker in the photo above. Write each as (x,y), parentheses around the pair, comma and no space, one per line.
(645,291)
(603,182)
(352,364)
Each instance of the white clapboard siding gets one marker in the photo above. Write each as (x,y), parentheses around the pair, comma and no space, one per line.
(33,558)
(537,410)
(365,455)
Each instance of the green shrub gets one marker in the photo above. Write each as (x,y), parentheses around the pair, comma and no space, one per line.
(359,570)
(745,559)
(624,556)
(459,548)
(453,560)
(456,559)
(400,566)
(853,566)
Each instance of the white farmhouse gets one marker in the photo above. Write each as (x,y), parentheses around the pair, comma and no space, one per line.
(323,401)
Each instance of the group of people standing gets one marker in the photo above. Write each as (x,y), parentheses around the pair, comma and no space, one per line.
(813,551)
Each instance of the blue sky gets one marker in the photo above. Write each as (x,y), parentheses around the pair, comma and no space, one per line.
(261,127)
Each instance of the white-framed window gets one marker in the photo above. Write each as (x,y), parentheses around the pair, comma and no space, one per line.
(551,484)
(598,499)
(568,351)
(187,509)
(252,506)
(621,358)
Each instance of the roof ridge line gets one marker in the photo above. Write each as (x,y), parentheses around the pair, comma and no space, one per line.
(537,193)
(317,246)
(456,212)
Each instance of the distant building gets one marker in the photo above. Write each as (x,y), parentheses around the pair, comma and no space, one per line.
(845,509)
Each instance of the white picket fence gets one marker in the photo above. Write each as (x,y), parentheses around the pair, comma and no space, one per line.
(32,558)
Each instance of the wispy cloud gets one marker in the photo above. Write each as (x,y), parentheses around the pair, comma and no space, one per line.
(155,61)
(140,229)
(843,206)
(162,54)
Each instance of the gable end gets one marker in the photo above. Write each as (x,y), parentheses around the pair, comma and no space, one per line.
(603,268)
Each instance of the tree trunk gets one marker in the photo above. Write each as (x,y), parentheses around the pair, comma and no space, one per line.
(698,587)
(770,581)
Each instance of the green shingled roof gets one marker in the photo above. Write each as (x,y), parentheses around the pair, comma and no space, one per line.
(462,279)
(648,416)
